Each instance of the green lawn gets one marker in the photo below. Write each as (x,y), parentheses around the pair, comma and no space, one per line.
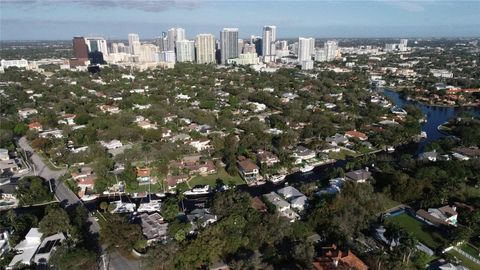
(144,188)
(212,179)
(343,154)
(470,249)
(465,261)
(422,232)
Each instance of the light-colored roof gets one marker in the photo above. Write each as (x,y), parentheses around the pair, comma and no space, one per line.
(289,192)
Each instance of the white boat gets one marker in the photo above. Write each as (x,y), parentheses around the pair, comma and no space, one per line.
(306,168)
(151,206)
(277,178)
(198,190)
(390,149)
(87,198)
(121,207)
(423,134)
(398,110)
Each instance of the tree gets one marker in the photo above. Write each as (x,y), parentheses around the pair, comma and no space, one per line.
(33,190)
(56,220)
(117,232)
(170,209)
(73,258)
(104,206)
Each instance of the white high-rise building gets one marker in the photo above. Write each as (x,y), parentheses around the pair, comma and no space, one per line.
(306,48)
(97,44)
(167,56)
(390,47)
(268,43)
(228,44)
(147,53)
(403,44)
(205,48)
(320,55)
(173,35)
(121,47)
(240,46)
(134,44)
(114,48)
(330,48)
(185,51)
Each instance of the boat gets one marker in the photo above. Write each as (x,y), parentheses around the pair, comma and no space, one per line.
(160,194)
(277,178)
(398,110)
(87,198)
(198,190)
(390,149)
(151,206)
(423,134)
(307,168)
(121,207)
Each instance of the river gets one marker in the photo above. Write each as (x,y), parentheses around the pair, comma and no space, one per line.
(436,115)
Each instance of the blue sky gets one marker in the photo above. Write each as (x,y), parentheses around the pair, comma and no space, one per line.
(114,19)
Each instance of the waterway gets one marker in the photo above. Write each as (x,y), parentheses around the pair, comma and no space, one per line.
(436,115)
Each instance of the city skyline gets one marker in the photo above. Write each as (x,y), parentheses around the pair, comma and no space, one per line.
(114,19)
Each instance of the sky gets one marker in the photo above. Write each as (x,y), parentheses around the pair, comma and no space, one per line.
(114,19)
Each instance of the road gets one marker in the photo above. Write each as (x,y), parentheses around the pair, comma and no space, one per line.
(62,192)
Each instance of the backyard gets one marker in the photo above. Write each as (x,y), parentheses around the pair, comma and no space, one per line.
(422,232)
(465,261)
(212,179)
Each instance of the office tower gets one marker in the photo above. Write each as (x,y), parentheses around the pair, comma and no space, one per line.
(134,44)
(173,35)
(114,48)
(257,41)
(330,48)
(268,43)
(306,47)
(320,55)
(80,49)
(97,44)
(228,44)
(185,50)
(205,48)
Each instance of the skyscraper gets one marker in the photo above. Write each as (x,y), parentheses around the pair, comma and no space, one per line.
(185,51)
(97,44)
(306,47)
(403,45)
(205,48)
(268,45)
(80,49)
(173,35)
(330,49)
(228,44)
(257,41)
(134,44)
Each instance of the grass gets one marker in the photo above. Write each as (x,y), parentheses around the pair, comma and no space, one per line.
(343,154)
(144,188)
(212,179)
(422,232)
(470,249)
(465,261)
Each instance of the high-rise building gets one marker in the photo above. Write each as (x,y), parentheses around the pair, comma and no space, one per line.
(228,44)
(240,46)
(97,44)
(173,35)
(114,48)
(306,47)
(167,56)
(147,53)
(249,48)
(205,48)
(185,50)
(389,47)
(268,43)
(121,48)
(257,41)
(134,44)
(80,48)
(330,49)
(320,55)
(403,45)
(162,42)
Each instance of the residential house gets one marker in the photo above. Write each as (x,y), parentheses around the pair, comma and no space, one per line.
(282,206)
(67,119)
(8,166)
(430,156)
(334,258)
(173,180)
(268,158)
(153,227)
(4,242)
(299,203)
(56,133)
(42,256)
(144,175)
(358,176)
(85,178)
(109,109)
(289,192)
(337,139)
(301,153)
(445,215)
(36,126)
(146,124)
(470,152)
(248,170)
(25,113)
(356,134)
(200,145)
(4,154)
(258,204)
(200,217)
(451,266)
(113,144)
(335,187)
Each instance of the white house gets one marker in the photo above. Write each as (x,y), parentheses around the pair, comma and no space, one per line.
(113,144)
(25,113)
(26,248)
(200,145)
